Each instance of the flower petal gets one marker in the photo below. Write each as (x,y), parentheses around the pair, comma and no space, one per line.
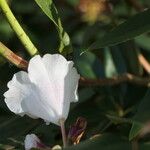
(31,141)
(36,106)
(70,90)
(71,84)
(23,98)
(52,74)
(17,92)
(46,90)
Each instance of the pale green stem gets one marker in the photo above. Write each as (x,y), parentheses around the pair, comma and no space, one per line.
(17,28)
(12,57)
(63,132)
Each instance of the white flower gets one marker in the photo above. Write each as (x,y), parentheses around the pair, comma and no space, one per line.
(46,90)
(32,141)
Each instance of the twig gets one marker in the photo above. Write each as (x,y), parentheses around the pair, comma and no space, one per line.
(17,28)
(145,64)
(145,130)
(142,81)
(12,57)
(21,63)
(135,145)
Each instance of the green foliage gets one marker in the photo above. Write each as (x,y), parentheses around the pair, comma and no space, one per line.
(107,142)
(141,117)
(128,30)
(143,41)
(86,65)
(104,142)
(115,114)
(50,10)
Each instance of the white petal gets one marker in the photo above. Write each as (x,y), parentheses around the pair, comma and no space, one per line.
(17,92)
(31,141)
(23,98)
(70,90)
(71,84)
(46,91)
(35,105)
(50,75)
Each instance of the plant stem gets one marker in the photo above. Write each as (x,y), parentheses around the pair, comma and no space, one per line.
(135,145)
(122,78)
(63,132)
(144,63)
(12,57)
(17,28)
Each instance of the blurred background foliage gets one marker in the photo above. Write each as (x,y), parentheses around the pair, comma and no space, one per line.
(115,113)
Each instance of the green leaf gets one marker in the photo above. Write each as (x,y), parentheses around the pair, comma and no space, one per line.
(104,142)
(130,55)
(118,59)
(50,10)
(117,120)
(141,117)
(135,130)
(16,126)
(107,142)
(12,130)
(109,66)
(89,66)
(143,41)
(130,29)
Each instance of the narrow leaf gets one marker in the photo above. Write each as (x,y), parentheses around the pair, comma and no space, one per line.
(130,29)
(50,10)
(141,117)
(103,142)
